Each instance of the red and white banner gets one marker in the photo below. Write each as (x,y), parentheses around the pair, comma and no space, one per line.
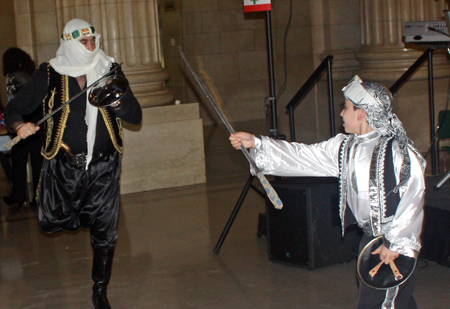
(257,5)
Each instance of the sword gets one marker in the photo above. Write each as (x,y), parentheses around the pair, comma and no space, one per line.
(17,139)
(270,191)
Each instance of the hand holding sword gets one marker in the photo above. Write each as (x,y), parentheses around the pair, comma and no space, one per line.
(242,138)
(27,129)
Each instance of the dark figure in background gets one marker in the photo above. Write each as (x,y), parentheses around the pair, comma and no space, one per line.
(79,185)
(18,67)
(5,156)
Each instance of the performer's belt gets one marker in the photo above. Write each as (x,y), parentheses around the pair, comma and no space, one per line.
(78,160)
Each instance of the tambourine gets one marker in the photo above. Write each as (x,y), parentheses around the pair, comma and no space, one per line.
(378,275)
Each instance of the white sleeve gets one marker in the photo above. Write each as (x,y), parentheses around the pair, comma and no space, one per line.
(404,234)
(281,158)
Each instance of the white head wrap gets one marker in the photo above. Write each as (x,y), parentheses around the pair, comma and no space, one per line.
(74,59)
(377,102)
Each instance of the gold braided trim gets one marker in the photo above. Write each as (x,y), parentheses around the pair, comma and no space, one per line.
(62,122)
(119,125)
(48,134)
(47,110)
(109,126)
(48,73)
(38,187)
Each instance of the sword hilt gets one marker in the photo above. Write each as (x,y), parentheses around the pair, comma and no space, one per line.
(12,142)
(270,191)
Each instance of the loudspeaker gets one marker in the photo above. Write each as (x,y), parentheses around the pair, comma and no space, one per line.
(306,232)
(436,235)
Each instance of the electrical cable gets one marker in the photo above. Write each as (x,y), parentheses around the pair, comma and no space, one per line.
(267,102)
(288,25)
(439,31)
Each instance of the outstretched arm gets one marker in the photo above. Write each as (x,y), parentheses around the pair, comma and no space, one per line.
(282,158)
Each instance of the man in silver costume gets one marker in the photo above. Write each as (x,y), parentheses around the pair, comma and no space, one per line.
(381,179)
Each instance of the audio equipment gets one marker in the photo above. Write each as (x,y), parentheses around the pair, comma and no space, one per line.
(432,34)
(307,231)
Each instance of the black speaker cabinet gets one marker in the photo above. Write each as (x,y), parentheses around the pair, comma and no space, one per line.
(436,235)
(307,231)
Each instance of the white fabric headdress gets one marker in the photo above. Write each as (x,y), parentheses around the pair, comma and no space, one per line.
(74,59)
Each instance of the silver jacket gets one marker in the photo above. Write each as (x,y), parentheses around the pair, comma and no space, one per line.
(402,230)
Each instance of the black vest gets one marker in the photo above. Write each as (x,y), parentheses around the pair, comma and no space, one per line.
(58,94)
(392,196)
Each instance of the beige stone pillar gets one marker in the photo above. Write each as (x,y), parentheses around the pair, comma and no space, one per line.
(336,31)
(130,34)
(383,55)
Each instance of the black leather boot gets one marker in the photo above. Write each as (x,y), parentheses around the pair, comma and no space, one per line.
(101,273)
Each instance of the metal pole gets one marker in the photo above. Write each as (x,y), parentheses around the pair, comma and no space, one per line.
(330,97)
(292,120)
(233,215)
(396,86)
(273,100)
(432,121)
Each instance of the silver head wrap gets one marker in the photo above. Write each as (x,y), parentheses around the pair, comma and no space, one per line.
(377,102)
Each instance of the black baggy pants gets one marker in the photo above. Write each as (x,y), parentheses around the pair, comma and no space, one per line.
(71,196)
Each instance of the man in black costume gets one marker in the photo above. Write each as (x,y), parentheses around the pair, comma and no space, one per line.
(79,184)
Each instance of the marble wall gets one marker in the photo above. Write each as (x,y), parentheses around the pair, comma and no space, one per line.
(229,48)
(363,36)
(7,38)
(130,34)
(166,150)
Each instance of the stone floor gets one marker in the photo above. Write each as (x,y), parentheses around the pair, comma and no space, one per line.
(164,257)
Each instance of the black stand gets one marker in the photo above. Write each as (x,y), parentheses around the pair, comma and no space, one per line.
(442,181)
(247,187)
(273,131)
(428,54)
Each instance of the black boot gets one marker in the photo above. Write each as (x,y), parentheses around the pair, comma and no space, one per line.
(101,273)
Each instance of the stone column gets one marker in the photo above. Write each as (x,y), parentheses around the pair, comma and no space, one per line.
(336,31)
(383,55)
(130,34)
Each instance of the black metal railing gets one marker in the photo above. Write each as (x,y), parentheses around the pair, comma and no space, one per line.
(428,54)
(304,90)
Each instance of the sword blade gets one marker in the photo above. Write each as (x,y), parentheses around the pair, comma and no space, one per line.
(17,139)
(270,191)
(78,94)
(216,107)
